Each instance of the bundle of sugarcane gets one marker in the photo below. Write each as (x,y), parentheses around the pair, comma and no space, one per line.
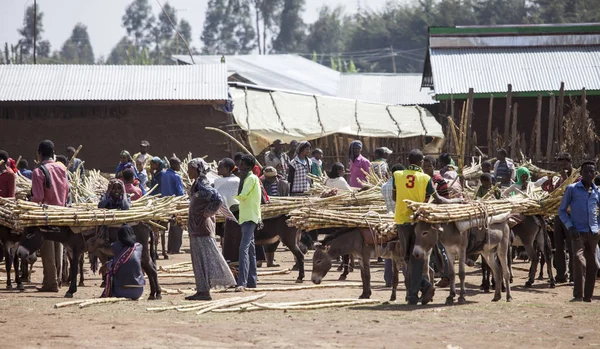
(370,199)
(20,214)
(311,218)
(94,182)
(529,206)
(23,186)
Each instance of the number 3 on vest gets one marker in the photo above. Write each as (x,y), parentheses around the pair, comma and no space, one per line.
(410,181)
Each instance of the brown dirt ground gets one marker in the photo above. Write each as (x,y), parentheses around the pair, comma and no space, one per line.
(537,317)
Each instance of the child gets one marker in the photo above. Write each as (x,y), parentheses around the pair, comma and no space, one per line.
(486,186)
(142,174)
(317,162)
(336,177)
(486,167)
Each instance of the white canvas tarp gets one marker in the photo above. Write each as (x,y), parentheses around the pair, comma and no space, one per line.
(268,116)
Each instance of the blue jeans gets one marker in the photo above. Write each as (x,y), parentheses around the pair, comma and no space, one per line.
(415,280)
(247,269)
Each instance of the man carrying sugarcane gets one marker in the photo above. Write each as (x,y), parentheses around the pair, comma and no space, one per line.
(414,185)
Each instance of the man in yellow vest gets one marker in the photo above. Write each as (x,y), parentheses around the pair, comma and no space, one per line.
(412,184)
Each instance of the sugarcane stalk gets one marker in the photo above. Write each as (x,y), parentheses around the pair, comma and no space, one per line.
(101,301)
(231,303)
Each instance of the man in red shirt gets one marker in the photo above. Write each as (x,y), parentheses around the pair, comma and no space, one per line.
(7,177)
(49,186)
(130,188)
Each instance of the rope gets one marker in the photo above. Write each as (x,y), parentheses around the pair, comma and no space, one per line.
(420,110)
(277,112)
(318,114)
(247,109)
(356,117)
(394,120)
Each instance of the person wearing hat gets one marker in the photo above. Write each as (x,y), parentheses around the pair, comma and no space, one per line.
(143,155)
(277,158)
(380,165)
(172,185)
(273,183)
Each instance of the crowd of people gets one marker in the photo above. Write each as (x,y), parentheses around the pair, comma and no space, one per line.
(242,186)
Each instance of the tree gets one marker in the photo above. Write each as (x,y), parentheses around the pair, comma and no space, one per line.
(228,28)
(291,28)
(166,28)
(177,45)
(78,49)
(138,20)
(326,34)
(27,32)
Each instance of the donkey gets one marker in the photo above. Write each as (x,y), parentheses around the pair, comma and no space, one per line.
(531,230)
(67,260)
(358,242)
(274,230)
(9,241)
(496,239)
(34,237)
(343,242)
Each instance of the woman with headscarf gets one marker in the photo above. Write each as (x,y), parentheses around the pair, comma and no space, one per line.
(126,161)
(210,268)
(521,185)
(158,167)
(299,169)
(358,163)
(125,278)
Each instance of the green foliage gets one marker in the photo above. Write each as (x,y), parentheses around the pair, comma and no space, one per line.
(292,29)
(78,49)
(27,32)
(138,21)
(228,28)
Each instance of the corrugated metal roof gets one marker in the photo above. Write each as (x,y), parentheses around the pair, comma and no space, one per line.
(288,72)
(112,82)
(489,70)
(396,89)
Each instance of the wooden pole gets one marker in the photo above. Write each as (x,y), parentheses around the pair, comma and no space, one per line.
(469,140)
(490,150)
(592,145)
(551,116)
(538,130)
(513,140)
(507,114)
(560,116)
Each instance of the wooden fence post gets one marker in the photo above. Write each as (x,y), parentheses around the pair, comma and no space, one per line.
(490,150)
(551,115)
(507,114)
(560,115)
(513,140)
(470,144)
(538,130)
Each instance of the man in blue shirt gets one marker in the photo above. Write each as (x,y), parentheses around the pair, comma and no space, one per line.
(22,166)
(583,199)
(172,185)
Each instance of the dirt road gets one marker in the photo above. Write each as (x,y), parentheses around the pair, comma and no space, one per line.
(537,317)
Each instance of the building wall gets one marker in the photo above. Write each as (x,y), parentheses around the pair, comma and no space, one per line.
(525,118)
(105,130)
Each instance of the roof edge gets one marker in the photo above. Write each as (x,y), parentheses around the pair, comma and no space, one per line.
(518,29)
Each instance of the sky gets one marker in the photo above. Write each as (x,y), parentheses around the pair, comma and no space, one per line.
(103,18)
